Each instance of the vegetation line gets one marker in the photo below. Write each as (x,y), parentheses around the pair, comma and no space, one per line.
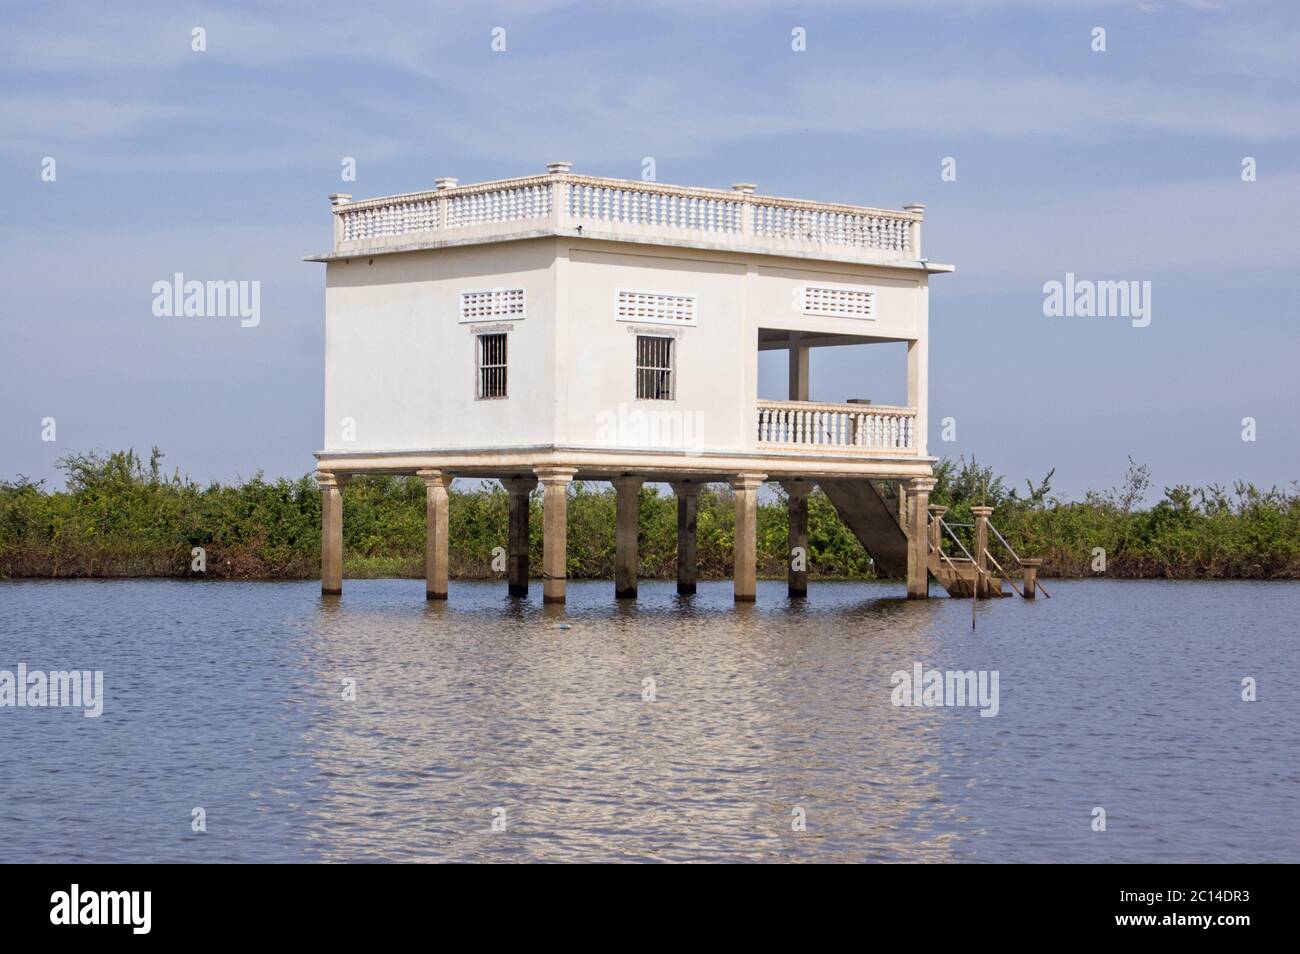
(120,517)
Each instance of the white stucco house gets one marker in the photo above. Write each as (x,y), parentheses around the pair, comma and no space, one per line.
(561,326)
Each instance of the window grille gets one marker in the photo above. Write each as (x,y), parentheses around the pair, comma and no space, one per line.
(654,368)
(655,306)
(492,304)
(838,302)
(492,365)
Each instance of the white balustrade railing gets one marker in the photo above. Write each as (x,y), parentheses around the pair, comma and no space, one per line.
(475,205)
(623,207)
(646,203)
(831,225)
(849,428)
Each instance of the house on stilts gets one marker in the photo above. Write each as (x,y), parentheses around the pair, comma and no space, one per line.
(559,326)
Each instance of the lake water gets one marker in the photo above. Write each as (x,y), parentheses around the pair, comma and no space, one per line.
(229,697)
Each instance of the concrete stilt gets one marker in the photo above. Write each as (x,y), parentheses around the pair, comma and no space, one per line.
(982,514)
(745,573)
(519,489)
(555,534)
(918,537)
(797,492)
(1030,567)
(331,532)
(437,531)
(688,499)
(627,495)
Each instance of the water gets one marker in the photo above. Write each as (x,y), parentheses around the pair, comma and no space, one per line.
(228,697)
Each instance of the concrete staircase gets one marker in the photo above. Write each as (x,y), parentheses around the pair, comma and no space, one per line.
(958,577)
(874,519)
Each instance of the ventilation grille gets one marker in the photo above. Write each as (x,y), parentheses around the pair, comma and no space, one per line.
(492,304)
(838,302)
(656,306)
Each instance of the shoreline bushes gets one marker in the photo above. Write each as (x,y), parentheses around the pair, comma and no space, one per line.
(121,517)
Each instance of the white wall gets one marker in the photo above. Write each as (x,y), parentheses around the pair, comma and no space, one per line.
(776,290)
(709,405)
(399,361)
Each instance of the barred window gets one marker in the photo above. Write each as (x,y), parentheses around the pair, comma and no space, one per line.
(654,368)
(491,365)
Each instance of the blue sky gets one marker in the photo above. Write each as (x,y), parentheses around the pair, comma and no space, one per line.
(1122,165)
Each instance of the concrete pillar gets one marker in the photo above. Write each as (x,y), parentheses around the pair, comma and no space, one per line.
(936,531)
(437,532)
(627,507)
(688,499)
(519,489)
(555,534)
(1030,566)
(918,376)
(745,573)
(918,537)
(798,368)
(981,549)
(797,505)
(331,531)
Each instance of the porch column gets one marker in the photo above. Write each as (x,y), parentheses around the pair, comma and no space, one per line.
(688,499)
(918,537)
(437,530)
(555,535)
(918,385)
(798,368)
(519,489)
(982,515)
(627,499)
(797,504)
(745,573)
(331,531)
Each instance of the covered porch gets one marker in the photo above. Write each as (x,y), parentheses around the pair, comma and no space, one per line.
(859,425)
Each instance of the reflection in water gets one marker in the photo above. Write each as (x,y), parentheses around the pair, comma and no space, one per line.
(231,696)
(756,713)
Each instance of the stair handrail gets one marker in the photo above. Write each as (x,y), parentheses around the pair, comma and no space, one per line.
(955,539)
(1003,541)
(1006,576)
(942,556)
(1015,556)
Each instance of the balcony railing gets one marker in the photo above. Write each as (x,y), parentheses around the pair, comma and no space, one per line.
(561,202)
(836,428)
